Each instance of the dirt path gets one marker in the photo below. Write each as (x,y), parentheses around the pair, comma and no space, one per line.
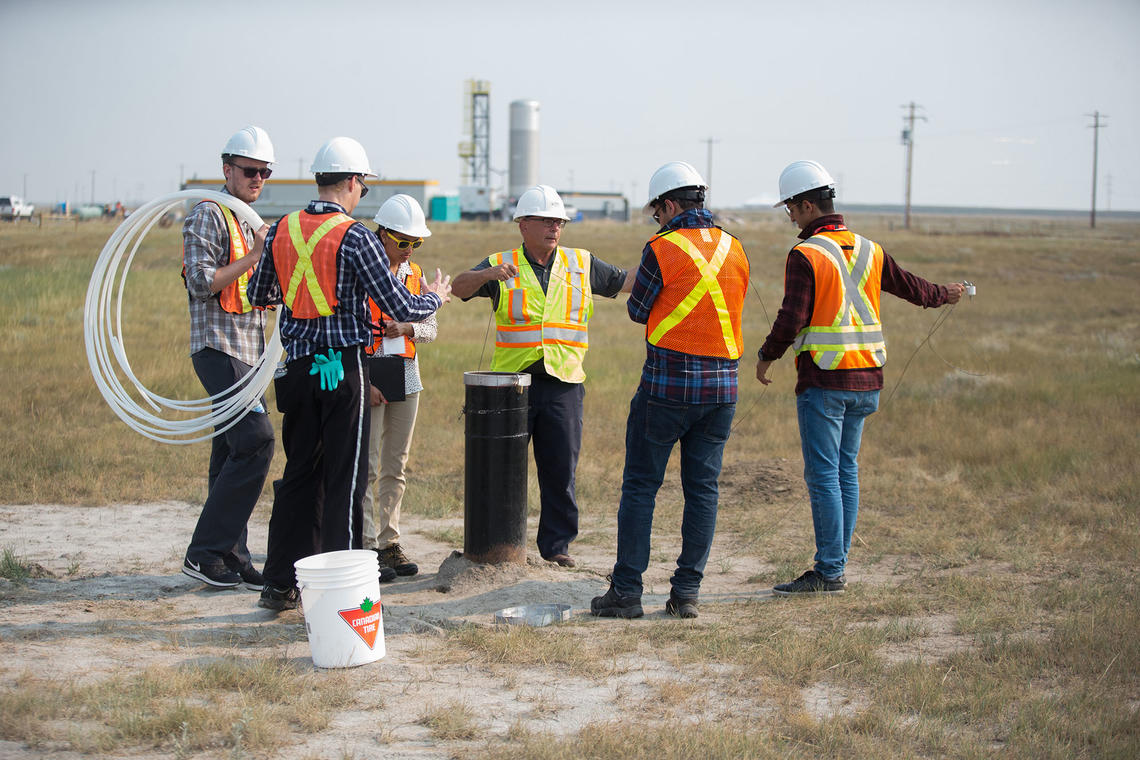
(110,598)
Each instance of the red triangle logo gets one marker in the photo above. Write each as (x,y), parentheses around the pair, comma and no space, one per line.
(364,621)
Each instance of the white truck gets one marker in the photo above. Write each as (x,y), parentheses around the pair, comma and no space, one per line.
(14,207)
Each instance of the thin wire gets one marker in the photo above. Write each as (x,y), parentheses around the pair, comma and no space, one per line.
(941,320)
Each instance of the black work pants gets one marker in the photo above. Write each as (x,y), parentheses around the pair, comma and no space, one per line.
(554,423)
(317,502)
(239,462)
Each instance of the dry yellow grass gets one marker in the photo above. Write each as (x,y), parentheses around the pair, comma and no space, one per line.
(999,480)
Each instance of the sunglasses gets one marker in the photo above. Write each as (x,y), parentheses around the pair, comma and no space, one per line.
(363,187)
(403,245)
(252,171)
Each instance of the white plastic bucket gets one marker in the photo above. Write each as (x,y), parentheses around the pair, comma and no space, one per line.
(340,595)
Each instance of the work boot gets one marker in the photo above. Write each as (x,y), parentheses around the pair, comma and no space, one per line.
(613,604)
(812,582)
(387,573)
(279,599)
(681,606)
(394,557)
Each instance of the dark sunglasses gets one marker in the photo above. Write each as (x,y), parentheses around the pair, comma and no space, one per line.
(252,171)
(363,187)
(403,245)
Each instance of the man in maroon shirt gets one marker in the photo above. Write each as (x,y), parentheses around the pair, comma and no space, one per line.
(830,316)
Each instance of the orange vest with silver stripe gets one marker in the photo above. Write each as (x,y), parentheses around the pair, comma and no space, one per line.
(704,276)
(845,331)
(412,283)
(551,326)
(304,254)
(232,297)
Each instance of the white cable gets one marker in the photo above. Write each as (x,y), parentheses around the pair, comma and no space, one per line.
(106,350)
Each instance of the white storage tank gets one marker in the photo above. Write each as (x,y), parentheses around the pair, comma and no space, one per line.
(523,147)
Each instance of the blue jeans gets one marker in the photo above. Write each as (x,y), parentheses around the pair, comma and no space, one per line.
(831,428)
(654,426)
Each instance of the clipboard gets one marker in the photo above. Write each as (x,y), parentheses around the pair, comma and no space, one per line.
(387,374)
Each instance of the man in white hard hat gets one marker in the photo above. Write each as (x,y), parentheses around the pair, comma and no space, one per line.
(542,296)
(394,367)
(689,294)
(830,317)
(323,266)
(227,336)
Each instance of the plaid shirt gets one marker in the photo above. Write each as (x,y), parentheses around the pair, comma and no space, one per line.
(205,248)
(361,271)
(799,302)
(685,378)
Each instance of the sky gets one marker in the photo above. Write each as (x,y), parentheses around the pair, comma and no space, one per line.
(121,99)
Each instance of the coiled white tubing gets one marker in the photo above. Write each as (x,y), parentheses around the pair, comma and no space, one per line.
(106,352)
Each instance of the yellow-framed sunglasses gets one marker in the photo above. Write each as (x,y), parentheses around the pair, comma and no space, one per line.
(403,245)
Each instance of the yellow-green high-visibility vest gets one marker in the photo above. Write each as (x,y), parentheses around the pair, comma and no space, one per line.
(533,325)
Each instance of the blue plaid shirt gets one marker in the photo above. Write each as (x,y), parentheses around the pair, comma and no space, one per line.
(673,375)
(361,271)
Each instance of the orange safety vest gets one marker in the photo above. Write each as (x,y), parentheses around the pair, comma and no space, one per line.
(704,275)
(845,331)
(304,254)
(232,297)
(412,283)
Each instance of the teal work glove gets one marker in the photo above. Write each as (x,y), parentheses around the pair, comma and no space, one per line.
(329,368)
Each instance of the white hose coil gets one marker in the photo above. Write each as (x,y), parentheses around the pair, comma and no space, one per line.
(102,333)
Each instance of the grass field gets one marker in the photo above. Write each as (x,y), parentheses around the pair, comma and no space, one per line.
(999,488)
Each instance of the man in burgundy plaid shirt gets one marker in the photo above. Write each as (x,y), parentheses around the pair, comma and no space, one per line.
(830,316)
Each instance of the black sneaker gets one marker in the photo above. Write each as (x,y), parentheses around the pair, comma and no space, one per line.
(681,606)
(395,558)
(273,598)
(812,582)
(251,579)
(216,576)
(612,604)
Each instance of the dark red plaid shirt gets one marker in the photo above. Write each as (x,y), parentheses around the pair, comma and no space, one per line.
(799,299)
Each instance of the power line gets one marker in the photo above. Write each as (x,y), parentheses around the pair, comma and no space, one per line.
(1096,126)
(708,172)
(908,141)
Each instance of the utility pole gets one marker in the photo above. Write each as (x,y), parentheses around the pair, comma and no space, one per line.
(1096,126)
(908,141)
(708,171)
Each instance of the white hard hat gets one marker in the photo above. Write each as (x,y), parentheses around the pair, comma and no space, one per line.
(251,142)
(673,176)
(801,176)
(541,200)
(402,213)
(342,155)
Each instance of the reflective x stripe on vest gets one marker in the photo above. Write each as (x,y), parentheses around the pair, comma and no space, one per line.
(232,297)
(318,276)
(551,326)
(412,283)
(674,321)
(845,330)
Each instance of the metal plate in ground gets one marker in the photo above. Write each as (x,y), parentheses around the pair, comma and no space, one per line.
(535,615)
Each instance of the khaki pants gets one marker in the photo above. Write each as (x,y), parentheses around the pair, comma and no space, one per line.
(390,439)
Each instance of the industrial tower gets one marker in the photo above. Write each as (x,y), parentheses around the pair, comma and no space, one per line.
(475,152)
